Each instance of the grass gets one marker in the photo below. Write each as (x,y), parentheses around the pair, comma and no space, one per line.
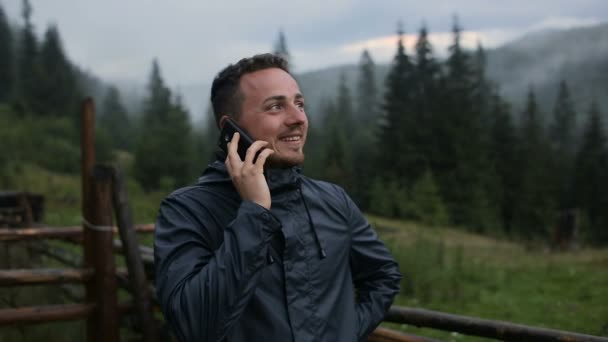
(457,272)
(62,193)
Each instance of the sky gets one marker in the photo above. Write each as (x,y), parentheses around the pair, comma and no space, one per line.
(193,39)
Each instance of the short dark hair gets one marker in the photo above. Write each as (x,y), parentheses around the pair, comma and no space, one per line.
(226,97)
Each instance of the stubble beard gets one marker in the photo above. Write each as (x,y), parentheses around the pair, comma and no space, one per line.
(285,162)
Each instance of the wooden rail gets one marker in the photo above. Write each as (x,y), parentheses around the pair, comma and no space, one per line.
(44,276)
(47,313)
(52,313)
(499,330)
(42,233)
(389,335)
(143,250)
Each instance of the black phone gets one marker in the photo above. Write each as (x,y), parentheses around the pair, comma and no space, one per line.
(228,130)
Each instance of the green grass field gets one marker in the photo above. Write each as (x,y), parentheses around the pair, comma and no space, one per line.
(456,272)
(444,269)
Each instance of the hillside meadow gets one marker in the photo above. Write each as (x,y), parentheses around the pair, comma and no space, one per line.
(449,270)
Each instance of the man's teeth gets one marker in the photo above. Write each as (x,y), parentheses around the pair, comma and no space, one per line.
(291,139)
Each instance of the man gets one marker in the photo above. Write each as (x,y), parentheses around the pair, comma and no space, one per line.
(255,251)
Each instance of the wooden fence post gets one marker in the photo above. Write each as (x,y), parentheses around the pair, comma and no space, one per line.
(132,253)
(87,152)
(102,323)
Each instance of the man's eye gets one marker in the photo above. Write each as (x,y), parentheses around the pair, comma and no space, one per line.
(300,104)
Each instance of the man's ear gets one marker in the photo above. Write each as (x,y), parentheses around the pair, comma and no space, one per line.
(223,121)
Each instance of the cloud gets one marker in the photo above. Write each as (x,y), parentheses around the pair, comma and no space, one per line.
(384,48)
(194,39)
(563,23)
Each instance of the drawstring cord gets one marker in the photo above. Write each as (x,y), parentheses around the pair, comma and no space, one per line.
(322,253)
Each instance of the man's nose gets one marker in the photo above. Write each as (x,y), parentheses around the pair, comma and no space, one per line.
(296,115)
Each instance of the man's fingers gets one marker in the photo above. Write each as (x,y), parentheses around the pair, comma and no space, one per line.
(259,163)
(253,150)
(228,166)
(233,145)
(234,142)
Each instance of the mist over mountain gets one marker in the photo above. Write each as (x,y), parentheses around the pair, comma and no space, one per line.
(196,97)
(542,59)
(539,59)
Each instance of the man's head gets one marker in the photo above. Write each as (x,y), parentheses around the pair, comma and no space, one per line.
(265,100)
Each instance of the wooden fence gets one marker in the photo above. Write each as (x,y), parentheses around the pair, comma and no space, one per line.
(104,197)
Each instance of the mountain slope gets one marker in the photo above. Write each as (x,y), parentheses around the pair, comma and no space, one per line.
(543,59)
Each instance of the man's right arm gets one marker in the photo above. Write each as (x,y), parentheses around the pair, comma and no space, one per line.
(203,291)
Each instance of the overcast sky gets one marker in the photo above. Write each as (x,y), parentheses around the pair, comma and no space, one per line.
(193,39)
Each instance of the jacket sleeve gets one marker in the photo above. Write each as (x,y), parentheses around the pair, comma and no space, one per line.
(203,291)
(375,273)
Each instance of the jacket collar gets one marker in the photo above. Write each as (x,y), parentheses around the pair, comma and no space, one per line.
(278,179)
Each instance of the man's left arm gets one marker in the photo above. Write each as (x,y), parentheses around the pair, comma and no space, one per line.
(375,273)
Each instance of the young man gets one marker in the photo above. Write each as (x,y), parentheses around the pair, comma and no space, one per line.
(255,251)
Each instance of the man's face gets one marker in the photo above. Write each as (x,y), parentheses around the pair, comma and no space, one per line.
(273,111)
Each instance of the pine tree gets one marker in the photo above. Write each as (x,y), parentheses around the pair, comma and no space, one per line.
(482,89)
(280,48)
(115,120)
(485,92)
(210,134)
(534,214)
(179,138)
(426,204)
(562,135)
(427,73)
(381,201)
(591,180)
(314,164)
(425,102)
(396,157)
(367,91)
(461,163)
(460,75)
(59,93)
(337,158)
(158,103)
(29,72)
(165,136)
(344,107)
(200,159)
(337,151)
(363,136)
(503,157)
(6,58)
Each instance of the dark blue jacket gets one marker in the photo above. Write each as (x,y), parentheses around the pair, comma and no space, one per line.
(309,269)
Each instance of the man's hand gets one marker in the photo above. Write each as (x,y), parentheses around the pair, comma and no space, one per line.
(247,176)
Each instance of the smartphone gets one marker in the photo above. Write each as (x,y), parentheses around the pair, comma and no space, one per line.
(230,127)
